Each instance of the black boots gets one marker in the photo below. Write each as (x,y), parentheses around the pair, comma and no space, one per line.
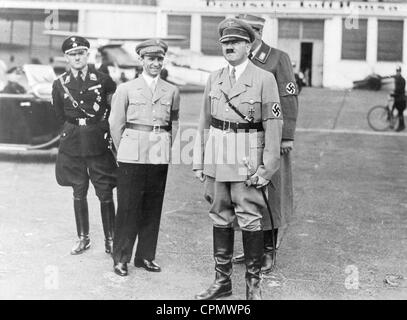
(401,126)
(269,257)
(253,252)
(223,239)
(82,226)
(108,215)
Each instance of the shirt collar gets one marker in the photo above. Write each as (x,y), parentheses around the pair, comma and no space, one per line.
(239,68)
(84,72)
(149,79)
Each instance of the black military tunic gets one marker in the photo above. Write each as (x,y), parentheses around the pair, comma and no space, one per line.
(399,93)
(83,108)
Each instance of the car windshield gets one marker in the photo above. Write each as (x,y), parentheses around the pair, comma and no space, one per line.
(120,56)
(40,78)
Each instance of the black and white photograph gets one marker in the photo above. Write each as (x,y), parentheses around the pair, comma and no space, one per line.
(199,150)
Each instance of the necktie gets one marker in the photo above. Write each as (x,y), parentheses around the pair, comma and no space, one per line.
(79,79)
(233,77)
(152,86)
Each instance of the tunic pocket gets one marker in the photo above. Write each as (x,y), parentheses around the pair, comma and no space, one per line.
(129,146)
(137,108)
(215,101)
(165,110)
(251,107)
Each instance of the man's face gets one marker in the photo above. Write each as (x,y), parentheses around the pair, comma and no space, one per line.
(235,51)
(258,33)
(152,65)
(77,59)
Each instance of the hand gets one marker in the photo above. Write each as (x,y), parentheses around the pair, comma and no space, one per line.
(257,181)
(199,175)
(286,146)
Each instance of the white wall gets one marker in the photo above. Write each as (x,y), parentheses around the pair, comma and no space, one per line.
(123,23)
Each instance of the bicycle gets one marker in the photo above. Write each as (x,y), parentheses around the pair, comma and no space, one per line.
(382,118)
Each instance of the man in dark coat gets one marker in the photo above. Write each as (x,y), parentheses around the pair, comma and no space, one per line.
(399,95)
(81,98)
(280,191)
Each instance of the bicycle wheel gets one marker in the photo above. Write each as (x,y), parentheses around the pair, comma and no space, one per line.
(378,118)
(394,120)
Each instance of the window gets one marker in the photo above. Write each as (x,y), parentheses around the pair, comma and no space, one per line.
(180,26)
(313,29)
(390,40)
(210,35)
(289,29)
(301,29)
(354,41)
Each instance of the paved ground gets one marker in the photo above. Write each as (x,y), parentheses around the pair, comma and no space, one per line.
(348,236)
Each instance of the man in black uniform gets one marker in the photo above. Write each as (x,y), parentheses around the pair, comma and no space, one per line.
(399,97)
(81,98)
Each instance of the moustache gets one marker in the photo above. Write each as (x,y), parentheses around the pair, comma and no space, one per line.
(230,50)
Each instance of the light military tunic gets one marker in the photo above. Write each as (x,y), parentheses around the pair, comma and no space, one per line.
(134,102)
(220,153)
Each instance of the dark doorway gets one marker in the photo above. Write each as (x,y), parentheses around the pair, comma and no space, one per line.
(306,61)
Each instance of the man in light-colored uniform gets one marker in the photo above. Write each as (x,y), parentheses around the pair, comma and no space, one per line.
(143,121)
(238,138)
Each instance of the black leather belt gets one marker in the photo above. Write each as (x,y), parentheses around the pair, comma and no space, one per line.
(146,127)
(83,121)
(235,126)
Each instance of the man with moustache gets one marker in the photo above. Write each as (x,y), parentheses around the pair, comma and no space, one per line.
(280,190)
(238,138)
(143,121)
(81,98)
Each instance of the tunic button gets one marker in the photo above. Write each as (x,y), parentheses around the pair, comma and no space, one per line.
(81,101)
(154,119)
(227,109)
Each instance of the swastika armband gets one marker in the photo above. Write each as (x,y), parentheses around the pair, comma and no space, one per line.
(287,88)
(272,110)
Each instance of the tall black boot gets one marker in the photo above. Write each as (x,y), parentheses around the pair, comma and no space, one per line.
(108,215)
(401,121)
(223,240)
(253,252)
(82,226)
(269,257)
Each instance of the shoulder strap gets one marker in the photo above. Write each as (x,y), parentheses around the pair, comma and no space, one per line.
(241,115)
(73,101)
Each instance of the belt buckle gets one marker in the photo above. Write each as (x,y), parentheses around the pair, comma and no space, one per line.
(82,121)
(156,128)
(224,127)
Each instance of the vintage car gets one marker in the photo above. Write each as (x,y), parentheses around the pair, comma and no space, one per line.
(27,119)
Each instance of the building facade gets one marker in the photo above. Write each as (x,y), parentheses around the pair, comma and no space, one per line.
(335,42)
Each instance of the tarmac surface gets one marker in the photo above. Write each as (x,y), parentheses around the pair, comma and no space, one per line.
(348,239)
